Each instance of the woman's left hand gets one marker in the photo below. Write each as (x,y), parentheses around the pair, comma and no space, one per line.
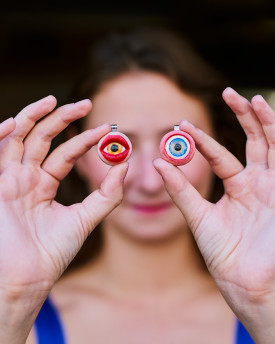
(236,235)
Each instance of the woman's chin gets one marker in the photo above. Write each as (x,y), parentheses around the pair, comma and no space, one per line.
(148,225)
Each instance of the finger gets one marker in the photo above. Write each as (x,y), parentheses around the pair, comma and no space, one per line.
(6,127)
(38,142)
(267,117)
(186,197)
(256,146)
(27,117)
(223,163)
(102,201)
(62,159)
(12,148)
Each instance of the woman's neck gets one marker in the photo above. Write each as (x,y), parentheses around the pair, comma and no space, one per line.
(138,267)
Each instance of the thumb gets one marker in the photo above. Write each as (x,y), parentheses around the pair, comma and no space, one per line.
(186,197)
(103,200)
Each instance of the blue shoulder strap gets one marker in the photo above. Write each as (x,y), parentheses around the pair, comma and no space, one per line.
(48,325)
(242,336)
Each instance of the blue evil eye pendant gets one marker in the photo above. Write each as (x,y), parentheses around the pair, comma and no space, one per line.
(115,147)
(177,147)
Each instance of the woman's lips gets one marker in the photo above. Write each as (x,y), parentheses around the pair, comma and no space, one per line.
(151,208)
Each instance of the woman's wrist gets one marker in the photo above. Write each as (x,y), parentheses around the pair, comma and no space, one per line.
(256,311)
(18,311)
(15,322)
(259,319)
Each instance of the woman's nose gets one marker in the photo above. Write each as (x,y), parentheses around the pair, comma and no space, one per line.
(142,172)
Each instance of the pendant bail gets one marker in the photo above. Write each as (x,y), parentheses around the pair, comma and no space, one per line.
(114,127)
(176,127)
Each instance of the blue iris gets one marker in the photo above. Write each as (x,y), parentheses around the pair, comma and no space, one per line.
(178,147)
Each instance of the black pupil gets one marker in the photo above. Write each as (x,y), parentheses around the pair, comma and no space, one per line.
(177,147)
(114,148)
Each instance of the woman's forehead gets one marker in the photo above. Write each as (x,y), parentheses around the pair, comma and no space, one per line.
(143,100)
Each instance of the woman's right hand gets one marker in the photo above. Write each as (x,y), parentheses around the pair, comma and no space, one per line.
(40,237)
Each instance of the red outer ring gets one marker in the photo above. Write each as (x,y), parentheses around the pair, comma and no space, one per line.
(177,162)
(110,158)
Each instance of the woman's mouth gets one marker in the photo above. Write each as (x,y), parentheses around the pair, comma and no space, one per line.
(151,208)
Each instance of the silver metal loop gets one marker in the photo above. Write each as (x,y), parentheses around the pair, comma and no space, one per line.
(176,127)
(114,127)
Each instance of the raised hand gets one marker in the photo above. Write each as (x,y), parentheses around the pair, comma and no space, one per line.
(38,236)
(237,234)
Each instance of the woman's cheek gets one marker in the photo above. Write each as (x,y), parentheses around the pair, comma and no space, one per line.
(199,174)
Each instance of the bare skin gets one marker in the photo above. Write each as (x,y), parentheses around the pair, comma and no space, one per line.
(245,214)
(176,314)
(148,284)
(139,305)
(28,186)
(234,235)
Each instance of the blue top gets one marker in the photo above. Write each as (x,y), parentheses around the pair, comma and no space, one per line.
(49,329)
(48,325)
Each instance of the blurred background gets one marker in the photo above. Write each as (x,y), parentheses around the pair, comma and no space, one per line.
(43,44)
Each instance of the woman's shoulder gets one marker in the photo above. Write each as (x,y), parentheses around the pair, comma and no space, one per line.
(31,338)
(83,295)
(69,298)
(75,286)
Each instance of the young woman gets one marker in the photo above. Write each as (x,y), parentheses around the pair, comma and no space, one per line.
(147,283)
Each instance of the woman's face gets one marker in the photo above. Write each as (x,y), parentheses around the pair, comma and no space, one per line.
(145,106)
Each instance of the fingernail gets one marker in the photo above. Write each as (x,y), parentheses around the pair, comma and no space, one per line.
(228,88)
(83,101)
(258,96)
(49,96)
(8,120)
(187,123)
(104,126)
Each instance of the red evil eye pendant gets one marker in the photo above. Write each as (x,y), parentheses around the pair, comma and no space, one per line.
(114,147)
(177,147)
